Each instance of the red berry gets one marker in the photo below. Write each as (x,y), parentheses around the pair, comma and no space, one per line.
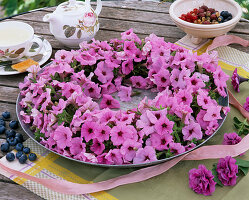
(213,17)
(201,11)
(204,7)
(201,15)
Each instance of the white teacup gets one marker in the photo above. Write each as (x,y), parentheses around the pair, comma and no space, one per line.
(16,39)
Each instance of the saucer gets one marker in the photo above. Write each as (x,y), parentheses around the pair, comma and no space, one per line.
(41,58)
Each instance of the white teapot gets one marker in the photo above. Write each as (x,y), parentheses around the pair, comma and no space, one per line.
(74,21)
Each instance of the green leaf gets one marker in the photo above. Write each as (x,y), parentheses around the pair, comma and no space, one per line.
(65,27)
(216,179)
(79,33)
(9,69)
(70,31)
(236,126)
(39,135)
(244,170)
(19,51)
(35,45)
(236,120)
(242,163)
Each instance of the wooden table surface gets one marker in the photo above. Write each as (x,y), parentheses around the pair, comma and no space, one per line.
(116,16)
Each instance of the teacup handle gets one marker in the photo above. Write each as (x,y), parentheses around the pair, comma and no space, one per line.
(40,44)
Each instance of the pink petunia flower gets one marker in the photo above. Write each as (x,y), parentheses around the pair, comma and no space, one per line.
(194,82)
(160,142)
(213,113)
(184,96)
(138,82)
(127,67)
(147,122)
(103,72)
(114,157)
(63,55)
(108,88)
(145,155)
(63,137)
(85,58)
(121,133)
(203,99)
(164,126)
(200,120)
(129,148)
(88,130)
(109,102)
(125,93)
(97,147)
(162,78)
(77,146)
(102,132)
(92,90)
(130,48)
(191,131)
(176,148)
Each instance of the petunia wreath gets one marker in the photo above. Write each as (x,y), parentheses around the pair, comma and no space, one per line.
(60,101)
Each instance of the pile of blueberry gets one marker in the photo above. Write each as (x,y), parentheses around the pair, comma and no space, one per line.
(15,140)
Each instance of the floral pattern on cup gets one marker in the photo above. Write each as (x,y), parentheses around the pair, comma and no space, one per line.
(87,24)
(15,53)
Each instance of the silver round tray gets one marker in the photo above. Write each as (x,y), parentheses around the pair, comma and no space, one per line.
(26,127)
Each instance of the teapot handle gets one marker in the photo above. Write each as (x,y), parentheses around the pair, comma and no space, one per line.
(99,7)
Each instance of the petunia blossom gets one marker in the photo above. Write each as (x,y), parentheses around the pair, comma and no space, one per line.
(63,137)
(109,102)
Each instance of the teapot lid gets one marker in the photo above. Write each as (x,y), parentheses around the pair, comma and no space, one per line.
(71,7)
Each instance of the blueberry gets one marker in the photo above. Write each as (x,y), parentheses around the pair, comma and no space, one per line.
(26,150)
(12,141)
(6,115)
(10,133)
(2,123)
(19,147)
(23,158)
(5,147)
(10,156)
(19,137)
(32,157)
(229,18)
(220,19)
(13,124)
(224,14)
(2,129)
(19,154)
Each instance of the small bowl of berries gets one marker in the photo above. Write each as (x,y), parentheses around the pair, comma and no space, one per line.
(205,19)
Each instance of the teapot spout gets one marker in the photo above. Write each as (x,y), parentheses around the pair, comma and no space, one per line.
(49,18)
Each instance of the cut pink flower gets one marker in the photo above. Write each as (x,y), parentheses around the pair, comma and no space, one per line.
(88,130)
(201,181)
(191,131)
(164,126)
(63,137)
(109,102)
(227,171)
(125,93)
(119,134)
(145,155)
(97,147)
(103,72)
(129,148)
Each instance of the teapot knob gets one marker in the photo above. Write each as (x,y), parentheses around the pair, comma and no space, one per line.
(72,2)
